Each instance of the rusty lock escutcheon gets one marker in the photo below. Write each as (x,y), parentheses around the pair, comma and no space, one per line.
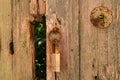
(101,17)
(55,37)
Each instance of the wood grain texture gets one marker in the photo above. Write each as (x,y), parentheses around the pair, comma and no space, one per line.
(100,50)
(5,25)
(65,14)
(42,7)
(14,26)
(91,53)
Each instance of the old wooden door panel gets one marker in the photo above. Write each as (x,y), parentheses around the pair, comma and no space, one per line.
(64,13)
(100,48)
(16,45)
(5,36)
(89,53)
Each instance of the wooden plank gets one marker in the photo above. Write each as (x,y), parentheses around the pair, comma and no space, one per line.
(23,60)
(74,45)
(65,13)
(116,39)
(16,37)
(99,47)
(6,69)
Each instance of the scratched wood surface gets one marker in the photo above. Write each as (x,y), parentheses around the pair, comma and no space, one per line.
(89,53)
(64,13)
(16,41)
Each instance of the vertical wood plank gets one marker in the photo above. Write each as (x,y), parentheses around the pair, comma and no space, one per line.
(23,42)
(15,28)
(65,13)
(99,47)
(116,38)
(6,69)
(73,29)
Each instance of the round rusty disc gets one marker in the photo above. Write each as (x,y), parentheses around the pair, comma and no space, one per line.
(55,35)
(101,17)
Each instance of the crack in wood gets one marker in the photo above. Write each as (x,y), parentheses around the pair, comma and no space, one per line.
(11,45)
(11,48)
(0,42)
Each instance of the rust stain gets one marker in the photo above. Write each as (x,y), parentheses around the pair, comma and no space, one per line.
(98,22)
(55,37)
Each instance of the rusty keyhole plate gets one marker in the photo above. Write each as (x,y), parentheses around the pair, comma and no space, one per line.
(101,17)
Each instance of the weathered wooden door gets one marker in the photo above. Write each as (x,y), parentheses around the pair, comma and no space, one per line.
(16,41)
(87,52)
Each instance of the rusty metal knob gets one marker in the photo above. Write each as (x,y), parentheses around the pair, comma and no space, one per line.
(101,17)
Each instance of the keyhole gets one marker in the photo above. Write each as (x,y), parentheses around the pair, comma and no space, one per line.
(53,48)
(101,16)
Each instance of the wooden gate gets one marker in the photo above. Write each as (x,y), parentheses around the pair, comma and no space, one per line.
(87,51)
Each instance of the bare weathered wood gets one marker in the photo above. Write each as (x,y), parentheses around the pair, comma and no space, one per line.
(65,14)
(42,6)
(91,53)
(5,25)
(99,47)
(38,7)
(16,35)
